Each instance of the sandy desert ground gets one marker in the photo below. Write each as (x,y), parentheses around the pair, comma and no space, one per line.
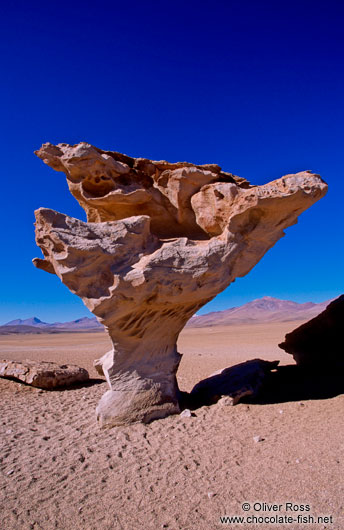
(60,471)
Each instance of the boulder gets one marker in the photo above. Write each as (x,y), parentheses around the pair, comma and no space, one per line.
(161,240)
(316,344)
(232,384)
(43,374)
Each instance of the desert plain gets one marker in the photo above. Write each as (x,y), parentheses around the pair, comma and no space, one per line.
(61,471)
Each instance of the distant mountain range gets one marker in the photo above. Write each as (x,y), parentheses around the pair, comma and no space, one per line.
(263,310)
(35,325)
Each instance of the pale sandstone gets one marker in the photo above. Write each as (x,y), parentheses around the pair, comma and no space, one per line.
(161,241)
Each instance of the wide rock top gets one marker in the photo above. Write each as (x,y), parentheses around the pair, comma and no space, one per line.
(111,186)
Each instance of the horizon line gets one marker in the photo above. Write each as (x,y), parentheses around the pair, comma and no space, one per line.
(196,314)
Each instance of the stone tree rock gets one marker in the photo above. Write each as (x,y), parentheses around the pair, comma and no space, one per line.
(161,240)
(317,343)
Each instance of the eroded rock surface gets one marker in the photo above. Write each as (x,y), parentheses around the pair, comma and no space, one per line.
(160,241)
(43,374)
(318,342)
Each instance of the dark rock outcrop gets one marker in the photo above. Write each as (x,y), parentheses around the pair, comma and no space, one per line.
(317,343)
(232,384)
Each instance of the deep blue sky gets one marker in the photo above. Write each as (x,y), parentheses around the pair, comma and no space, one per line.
(255,86)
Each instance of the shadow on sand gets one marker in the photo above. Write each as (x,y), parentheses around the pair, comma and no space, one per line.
(293,383)
(83,384)
(263,382)
(74,386)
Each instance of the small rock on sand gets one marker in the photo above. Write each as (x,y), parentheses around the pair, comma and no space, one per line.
(42,374)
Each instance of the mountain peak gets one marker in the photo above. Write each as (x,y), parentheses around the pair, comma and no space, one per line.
(268,298)
(32,321)
(266,309)
(81,323)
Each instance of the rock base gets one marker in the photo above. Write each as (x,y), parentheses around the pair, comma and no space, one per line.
(124,407)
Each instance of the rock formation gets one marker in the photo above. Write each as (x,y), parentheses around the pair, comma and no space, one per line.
(317,343)
(160,241)
(43,374)
(232,384)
